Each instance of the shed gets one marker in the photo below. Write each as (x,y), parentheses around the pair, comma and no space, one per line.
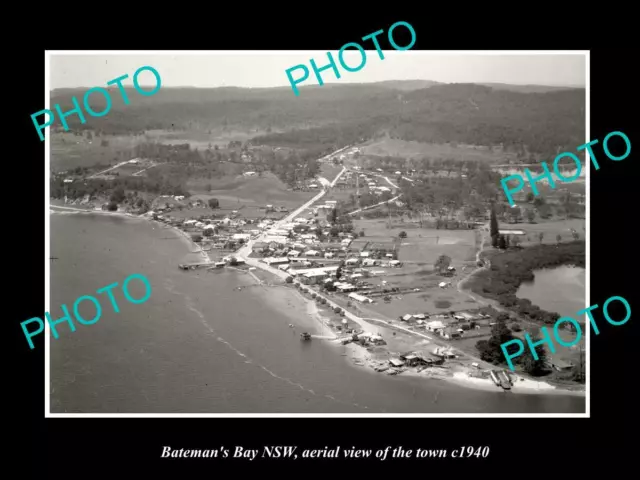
(396,362)
(360,298)
(559,364)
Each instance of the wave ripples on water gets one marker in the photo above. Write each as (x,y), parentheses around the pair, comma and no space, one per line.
(156,357)
(190,306)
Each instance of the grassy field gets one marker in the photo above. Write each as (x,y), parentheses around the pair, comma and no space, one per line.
(201,139)
(407,149)
(341,195)
(549,229)
(430,302)
(430,244)
(419,251)
(376,228)
(246,192)
(126,170)
(70,151)
(422,244)
(329,171)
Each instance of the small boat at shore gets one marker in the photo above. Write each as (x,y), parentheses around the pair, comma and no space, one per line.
(305,336)
(501,379)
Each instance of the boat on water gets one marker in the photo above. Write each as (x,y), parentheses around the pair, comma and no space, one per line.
(305,336)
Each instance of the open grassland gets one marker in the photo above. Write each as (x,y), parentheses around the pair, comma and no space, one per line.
(201,139)
(126,170)
(409,149)
(376,228)
(329,171)
(433,300)
(549,229)
(339,195)
(256,191)
(427,245)
(422,244)
(69,151)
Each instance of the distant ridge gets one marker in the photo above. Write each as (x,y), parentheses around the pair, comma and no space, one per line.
(528,88)
(407,84)
(402,85)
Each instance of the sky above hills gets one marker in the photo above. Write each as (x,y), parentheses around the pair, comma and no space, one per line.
(253,69)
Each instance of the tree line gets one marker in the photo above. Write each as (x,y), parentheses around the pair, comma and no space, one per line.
(509,269)
(539,123)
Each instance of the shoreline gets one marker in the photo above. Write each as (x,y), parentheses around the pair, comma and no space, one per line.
(182,234)
(356,353)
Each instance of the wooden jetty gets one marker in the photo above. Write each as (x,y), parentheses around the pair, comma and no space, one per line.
(193,266)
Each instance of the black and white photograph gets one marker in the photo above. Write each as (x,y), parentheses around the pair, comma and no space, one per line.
(243,233)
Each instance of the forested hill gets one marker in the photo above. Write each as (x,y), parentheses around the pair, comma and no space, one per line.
(544,122)
(476,114)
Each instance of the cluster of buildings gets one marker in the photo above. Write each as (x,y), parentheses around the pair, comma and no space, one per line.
(449,326)
(368,181)
(229,232)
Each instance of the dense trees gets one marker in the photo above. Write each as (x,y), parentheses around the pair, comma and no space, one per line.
(491,351)
(508,270)
(531,365)
(440,196)
(493,228)
(118,195)
(531,215)
(442,263)
(333,115)
(442,114)
(214,203)
(161,185)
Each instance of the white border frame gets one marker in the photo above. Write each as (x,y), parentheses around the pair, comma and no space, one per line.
(47,248)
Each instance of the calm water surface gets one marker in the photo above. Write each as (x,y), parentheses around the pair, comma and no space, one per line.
(200,346)
(560,289)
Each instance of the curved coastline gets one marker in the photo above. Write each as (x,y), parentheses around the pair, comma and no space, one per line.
(356,353)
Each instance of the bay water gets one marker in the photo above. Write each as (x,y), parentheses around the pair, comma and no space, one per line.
(201,345)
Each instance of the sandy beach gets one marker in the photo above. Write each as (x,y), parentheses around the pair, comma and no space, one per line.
(291,303)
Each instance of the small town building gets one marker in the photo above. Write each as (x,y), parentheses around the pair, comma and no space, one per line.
(360,298)
(275,260)
(396,362)
(559,364)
